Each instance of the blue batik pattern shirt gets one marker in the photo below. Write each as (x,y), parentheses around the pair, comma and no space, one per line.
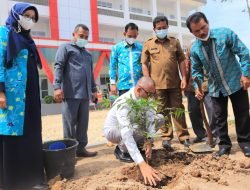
(218,58)
(125,65)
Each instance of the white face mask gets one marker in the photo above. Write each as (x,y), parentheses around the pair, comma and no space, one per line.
(26,23)
(130,41)
(161,34)
(81,42)
(206,38)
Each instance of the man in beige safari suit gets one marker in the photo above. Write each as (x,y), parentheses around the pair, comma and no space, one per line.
(165,56)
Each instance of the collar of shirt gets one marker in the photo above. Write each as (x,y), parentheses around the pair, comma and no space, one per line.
(157,39)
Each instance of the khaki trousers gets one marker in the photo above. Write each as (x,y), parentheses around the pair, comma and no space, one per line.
(172,98)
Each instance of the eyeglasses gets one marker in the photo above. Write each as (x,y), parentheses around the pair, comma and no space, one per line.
(150,94)
(29,18)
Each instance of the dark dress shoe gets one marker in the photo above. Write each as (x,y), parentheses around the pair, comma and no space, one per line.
(167,145)
(123,157)
(246,151)
(85,153)
(222,151)
(186,143)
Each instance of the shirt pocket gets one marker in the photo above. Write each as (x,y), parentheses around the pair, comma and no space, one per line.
(220,49)
(172,52)
(154,54)
(136,56)
(123,58)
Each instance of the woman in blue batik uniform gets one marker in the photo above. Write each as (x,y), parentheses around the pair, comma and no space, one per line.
(21,164)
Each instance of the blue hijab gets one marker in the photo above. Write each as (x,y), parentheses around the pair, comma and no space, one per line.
(18,40)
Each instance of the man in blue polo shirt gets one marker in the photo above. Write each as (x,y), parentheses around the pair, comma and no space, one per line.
(215,51)
(125,67)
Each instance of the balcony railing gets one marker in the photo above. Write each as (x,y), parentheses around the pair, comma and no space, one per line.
(141,17)
(108,12)
(183,24)
(38,2)
(109,5)
(172,22)
(106,39)
(139,10)
(201,1)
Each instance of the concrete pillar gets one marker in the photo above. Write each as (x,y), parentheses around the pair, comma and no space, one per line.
(4,11)
(178,12)
(126,9)
(154,8)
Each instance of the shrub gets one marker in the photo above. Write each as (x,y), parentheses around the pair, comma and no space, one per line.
(48,99)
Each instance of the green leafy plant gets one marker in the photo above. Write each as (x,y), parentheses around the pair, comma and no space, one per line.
(139,118)
(138,114)
(48,99)
(106,103)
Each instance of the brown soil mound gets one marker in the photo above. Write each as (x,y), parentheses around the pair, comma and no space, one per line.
(179,171)
(169,164)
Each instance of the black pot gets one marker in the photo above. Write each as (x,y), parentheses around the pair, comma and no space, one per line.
(60,161)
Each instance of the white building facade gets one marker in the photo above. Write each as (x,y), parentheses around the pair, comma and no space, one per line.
(106,20)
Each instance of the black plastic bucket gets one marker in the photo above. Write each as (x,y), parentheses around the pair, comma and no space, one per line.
(60,161)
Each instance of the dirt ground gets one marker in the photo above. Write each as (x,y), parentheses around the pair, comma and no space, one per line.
(180,170)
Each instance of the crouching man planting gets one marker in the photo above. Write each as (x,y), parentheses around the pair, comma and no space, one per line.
(132,122)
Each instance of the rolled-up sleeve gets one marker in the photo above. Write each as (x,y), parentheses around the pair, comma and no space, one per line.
(127,134)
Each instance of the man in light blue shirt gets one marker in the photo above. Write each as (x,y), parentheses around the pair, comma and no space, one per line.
(125,67)
(215,51)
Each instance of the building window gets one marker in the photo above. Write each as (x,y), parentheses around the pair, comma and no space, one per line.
(44,87)
(104,4)
(104,79)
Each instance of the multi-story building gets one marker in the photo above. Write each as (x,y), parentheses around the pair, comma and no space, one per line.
(106,20)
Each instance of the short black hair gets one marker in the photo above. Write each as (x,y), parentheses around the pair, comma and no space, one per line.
(159,19)
(131,26)
(83,26)
(195,18)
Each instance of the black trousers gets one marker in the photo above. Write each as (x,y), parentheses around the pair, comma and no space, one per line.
(240,105)
(196,117)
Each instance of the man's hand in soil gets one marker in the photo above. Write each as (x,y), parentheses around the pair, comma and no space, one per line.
(149,174)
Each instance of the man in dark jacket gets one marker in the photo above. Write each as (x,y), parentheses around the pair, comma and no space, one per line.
(74,84)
